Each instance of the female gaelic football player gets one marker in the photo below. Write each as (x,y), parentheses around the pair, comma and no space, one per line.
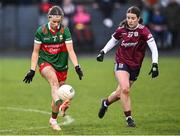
(52,46)
(131,38)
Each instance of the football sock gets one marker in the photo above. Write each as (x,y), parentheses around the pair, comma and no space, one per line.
(106,103)
(127,113)
(128,117)
(54,115)
(58,102)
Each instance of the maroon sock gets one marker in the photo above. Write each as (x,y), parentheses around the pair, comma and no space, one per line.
(127,113)
(54,115)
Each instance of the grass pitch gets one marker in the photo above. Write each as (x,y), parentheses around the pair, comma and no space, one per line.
(25,108)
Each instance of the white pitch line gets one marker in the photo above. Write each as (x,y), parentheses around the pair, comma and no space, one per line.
(25,110)
(68,119)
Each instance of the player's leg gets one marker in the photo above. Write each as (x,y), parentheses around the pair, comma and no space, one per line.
(49,74)
(65,105)
(113,97)
(62,76)
(124,83)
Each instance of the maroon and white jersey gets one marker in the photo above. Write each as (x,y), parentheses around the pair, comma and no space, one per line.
(133,44)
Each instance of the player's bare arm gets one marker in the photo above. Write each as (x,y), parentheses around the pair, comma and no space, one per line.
(29,76)
(74,60)
(72,54)
(35,55)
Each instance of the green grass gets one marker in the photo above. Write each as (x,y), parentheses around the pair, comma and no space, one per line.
(155,102)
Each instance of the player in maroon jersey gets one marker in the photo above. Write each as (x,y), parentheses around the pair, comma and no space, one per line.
(132,38)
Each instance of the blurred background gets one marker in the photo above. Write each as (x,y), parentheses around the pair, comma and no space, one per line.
(91,22)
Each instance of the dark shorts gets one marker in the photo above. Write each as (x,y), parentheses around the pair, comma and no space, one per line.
(134,73)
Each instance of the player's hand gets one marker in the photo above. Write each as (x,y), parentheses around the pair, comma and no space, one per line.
(29,76)
(100,56)
(79,71)
(154,72)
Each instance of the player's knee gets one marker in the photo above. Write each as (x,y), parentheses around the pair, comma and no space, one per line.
(125,90)
(61,83)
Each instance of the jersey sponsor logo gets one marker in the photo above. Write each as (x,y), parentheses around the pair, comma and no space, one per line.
(54,48)
(53,45)
(46,38)
(129,44)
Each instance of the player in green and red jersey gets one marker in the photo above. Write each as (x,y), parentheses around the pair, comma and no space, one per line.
(52,47)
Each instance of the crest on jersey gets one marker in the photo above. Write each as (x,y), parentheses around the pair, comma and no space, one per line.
(60,37)
(136,34)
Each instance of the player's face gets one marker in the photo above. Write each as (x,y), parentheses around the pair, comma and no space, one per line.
(132,20)
(55,21)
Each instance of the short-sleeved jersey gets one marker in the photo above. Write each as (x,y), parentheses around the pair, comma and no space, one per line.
(53,48)
(132,45)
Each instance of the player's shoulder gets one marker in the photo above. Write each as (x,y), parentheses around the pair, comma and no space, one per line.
(120,29)
(66,28)
(43,29)
(142,27)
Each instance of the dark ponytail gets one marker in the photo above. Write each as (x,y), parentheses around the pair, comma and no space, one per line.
(140,20)
(123,23)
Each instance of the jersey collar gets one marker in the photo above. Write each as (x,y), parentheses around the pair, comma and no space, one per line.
(133,28)
(51,30)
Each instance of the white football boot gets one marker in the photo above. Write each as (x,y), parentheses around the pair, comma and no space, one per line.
(54,125)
